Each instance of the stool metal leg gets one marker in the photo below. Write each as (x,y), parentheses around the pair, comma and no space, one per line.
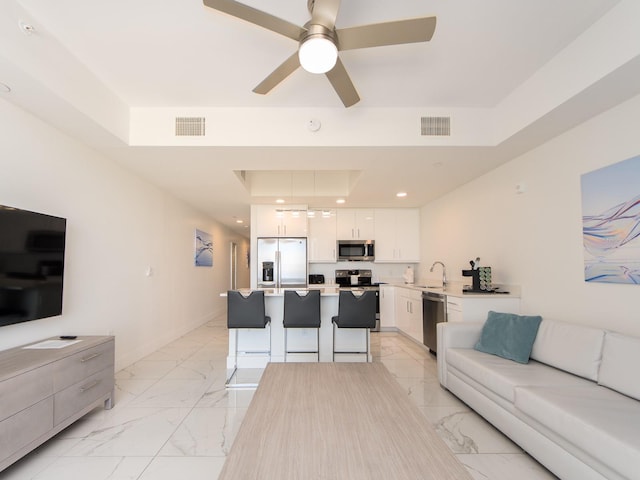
(333,347)
(235,361)
(317,351)
(228,383)
(285,345)
(367,346)
(366,352)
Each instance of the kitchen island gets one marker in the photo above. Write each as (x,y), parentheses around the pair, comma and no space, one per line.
(298,339)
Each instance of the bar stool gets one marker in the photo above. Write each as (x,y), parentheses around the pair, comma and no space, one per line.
(301,311)
(355,312)
(245,312)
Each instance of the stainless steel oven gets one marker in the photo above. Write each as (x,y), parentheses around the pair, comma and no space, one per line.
(356,250)
(360,280)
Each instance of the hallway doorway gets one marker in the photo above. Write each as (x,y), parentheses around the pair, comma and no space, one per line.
(234,266)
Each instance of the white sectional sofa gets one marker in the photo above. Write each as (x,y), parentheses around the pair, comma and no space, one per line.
(574,407)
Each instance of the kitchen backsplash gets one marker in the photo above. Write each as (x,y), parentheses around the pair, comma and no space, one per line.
(388,272)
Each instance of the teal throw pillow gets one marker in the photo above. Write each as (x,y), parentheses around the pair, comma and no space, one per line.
(509,336)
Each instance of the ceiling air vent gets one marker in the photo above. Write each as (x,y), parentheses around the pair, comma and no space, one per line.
(435,126)
(190,126)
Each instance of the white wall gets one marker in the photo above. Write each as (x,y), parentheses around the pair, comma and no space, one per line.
(534,239)
(118,225)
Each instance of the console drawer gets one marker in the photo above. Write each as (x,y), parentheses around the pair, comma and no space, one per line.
(75,398)
(25,390)
(26,426)
(83,364)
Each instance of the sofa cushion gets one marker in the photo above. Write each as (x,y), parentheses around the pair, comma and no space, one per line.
(501,376)
(574,348)
(620,360)
(599,421)
(509,335)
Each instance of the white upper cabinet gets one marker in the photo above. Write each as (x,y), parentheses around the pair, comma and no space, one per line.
(322,236)
(397,235)
(281,221)
(355,224)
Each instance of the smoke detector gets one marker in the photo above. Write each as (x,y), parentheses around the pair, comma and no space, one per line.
(26,28)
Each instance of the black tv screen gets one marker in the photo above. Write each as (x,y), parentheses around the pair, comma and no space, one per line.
(31,265)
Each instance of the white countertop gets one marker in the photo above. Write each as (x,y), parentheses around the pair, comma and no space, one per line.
(325,291)
(452,290)
(455,290)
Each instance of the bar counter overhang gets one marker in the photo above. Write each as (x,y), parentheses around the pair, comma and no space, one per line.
(298,339)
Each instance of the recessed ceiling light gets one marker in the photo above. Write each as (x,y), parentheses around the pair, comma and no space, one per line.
(340,200)
(239,221)
(401,194)
(280,200)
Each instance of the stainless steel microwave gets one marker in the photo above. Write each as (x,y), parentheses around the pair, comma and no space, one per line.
(356,250)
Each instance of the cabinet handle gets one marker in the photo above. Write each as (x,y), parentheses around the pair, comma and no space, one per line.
(284,228)
(89,387)
(90,357)
(358,233)
(278,230)
(353,233)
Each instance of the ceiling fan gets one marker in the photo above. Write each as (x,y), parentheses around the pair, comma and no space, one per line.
(319,41)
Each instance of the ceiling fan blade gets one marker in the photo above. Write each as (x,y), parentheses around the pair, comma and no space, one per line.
(342,84)
(289,66)
(258,17)
(389,33)
(324,12)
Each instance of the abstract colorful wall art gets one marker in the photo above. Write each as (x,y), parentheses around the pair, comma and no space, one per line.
(611,223)
(203,249)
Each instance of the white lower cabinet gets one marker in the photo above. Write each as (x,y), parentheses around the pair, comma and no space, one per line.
(405,313)
(409,312)
(387,307)
(476,309)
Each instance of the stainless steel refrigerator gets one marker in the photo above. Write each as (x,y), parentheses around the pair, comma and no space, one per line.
(282,262)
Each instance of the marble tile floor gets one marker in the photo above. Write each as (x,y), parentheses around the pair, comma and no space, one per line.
(173,418)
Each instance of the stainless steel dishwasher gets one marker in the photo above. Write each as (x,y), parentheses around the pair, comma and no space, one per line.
(434,311)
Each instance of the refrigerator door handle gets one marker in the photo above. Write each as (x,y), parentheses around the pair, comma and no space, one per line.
(278,277)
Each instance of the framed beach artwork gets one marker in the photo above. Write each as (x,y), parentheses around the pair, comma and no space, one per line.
(203,249)
(611,223)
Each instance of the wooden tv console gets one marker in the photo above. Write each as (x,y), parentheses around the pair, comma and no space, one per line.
(44,390)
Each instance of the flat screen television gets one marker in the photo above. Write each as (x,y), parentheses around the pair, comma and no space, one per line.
(31,265)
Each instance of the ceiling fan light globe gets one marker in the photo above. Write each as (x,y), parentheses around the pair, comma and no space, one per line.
(318,54)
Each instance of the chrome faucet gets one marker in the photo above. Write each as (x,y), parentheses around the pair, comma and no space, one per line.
(444,273)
